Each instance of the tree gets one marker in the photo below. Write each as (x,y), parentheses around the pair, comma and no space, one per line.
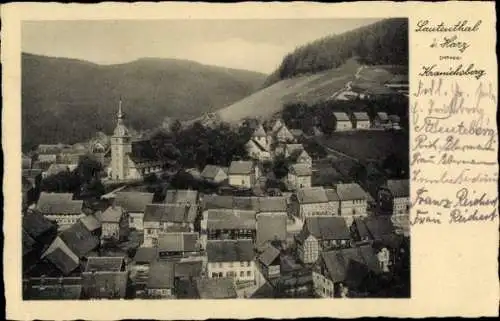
(358,172)
(280,167)
(88,168)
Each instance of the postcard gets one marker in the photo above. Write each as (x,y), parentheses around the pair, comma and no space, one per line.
(279,160)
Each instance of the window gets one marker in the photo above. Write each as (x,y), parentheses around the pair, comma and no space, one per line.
(242,264)
(242,274)
(248,263)
(215,275)
(249,273)
(220,274)
(220,265)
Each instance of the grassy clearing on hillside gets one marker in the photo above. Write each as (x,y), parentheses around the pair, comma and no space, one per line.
(369,145)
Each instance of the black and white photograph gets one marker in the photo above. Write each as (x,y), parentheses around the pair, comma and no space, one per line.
(215,159)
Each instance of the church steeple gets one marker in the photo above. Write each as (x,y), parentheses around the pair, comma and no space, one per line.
(120,113)
(120,130)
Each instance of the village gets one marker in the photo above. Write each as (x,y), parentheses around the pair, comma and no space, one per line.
(284,221)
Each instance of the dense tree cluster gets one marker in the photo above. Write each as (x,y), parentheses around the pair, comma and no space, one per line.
(384,42)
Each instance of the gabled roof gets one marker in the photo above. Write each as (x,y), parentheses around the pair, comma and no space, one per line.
(79,239)
(341,116)
(296,154)
(51,197)
(332,195)
(349,265)
(296,132)
(247,203)
(231,219)
(182,196)
(188,269)
(105,285)
(325,228)
(210,171)
(216,288)
(312,195)
(173,213)
(36,224)
(112,214)
(217,201)
(161,275)
(145,254)
(399,187)
(241,168)
(91,222)
(283,131)
(271,227)
(259,131)
(269,255)
(350,191)
(300,169)
(61,256)
(28,242)
(104,264)
(272,204)
(59,203)
(178,242)
(361,116)
(383,116)
(230,251)
(379,226)
(258,145)
(133,201)
(293,148)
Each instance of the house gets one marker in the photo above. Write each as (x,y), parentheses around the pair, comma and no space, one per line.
(161,218)
(105,278)
(259,135)
(214,174)
(143,258)
(258,151)
(47,159)
(352,200)
(216,288)
(369,229)
(243,174)
(93,224)
(114,224)
(271,227)
(290,149)
(160,283)
(178,244)
(186,197)
(69,247)
(231,258)
(339,272)
(60,208)
(394,197)
(282,135)
(134,203)
(186,274)
(321,234)
(300,157)
(52,288)
(342,121)
(26,162)
(41,229)
(395,121)
(269,262)
(299,176)
(313,201)
(230,224)
(360,120)
(381,120)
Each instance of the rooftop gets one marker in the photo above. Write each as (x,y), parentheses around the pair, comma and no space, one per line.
(104,264)
(271,227)
(269,255)
(133,201)
(301,169)
(161,275)
(216,288)
(312,195)
(178,242)
(241,167)
(112,214)
(350,191)
(230,251)
(325,228)
(341,116)
(231,219)
(399,188)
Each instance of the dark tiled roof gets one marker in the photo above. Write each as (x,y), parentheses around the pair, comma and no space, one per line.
(105,284)
(350,191)
(312,195)
(248,203)
(178,242)
(36,224)
(145,255)
(269,255)
(297,154)
(133,201)
(61,206)
(241,168)
(161,275)
(327,228)
(266,291)
(91,222)
(272,204)
(50,197)
(79,239)
(216,288)
(231,219)
(182,196)
(188,269)
(28,243)
(259,146)
(217,201)
(361,228)
(383,116)
(271,227)
(230,251)
(380,226)
(104,263)
(112,214)
(399,188)
(64,262)
(174,213)
(331,194)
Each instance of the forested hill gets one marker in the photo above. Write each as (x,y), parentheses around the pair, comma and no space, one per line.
(381,43)
(68,100)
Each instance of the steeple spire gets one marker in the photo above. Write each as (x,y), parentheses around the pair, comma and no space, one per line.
(120,113)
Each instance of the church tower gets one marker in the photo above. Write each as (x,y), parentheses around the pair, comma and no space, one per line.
(121,146)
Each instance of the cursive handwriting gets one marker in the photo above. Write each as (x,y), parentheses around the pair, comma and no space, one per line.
(433,71)
(461,26)
(422,217)
(423,198)
(459,216)
(464,177)
(465,199)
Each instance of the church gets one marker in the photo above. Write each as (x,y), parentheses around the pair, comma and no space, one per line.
(131,159)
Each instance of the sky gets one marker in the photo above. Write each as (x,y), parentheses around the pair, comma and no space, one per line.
(257,45)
